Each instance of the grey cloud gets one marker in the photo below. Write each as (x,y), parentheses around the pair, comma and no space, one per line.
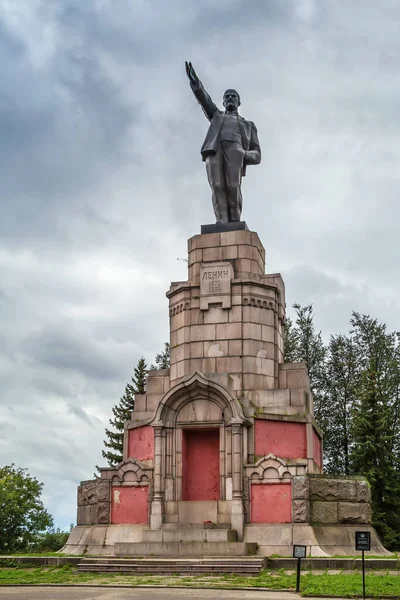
(101,184)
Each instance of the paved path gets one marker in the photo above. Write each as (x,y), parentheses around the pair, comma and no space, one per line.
(97,593)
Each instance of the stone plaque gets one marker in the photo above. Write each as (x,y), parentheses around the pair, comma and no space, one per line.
(215,278)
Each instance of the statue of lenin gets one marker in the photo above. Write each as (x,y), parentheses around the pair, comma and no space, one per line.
(230,145)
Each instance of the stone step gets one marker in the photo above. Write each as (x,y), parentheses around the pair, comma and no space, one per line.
(185,549)
(242,566)
(190,535)
(191,526)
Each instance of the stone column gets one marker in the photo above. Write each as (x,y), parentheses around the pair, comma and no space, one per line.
(237,516)
(156,517)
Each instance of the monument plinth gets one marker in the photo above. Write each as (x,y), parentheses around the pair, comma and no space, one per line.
(222,455)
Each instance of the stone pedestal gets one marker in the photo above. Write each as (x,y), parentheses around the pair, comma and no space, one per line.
(226,437)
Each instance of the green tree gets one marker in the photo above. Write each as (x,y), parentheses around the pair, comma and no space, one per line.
(22,514)
(113,452)
(302,343)
(50,540)
(162,360)
(375,428)
(342,374)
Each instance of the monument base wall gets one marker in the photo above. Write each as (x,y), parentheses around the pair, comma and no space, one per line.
(272,539)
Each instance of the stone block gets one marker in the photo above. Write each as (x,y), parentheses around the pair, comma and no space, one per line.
(102,513)
(235,238)
(257,382)
(140,402)
(297,378)
(251,331)
(265,533)
(229,252)
(363,491)
(208,240)
(183,335)
(258,366)
(197,349)
(235,314)
(354,512)
(267,334)
(300,488)
(103,491)
(235,347)
(216,314)
(177,353)
(298,398)
(84,515)
(324,512)
(195,256)
(242,265)
(153,401)
(228,364)
(301,511)
(276,398)
(212,254)
(228,331)
(196,316)
(203,365)
(203,332)
(155,385)
(333,489)
(197,512)
(215,349)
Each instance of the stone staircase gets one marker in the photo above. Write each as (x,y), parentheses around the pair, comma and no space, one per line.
(187,540)
(172,566)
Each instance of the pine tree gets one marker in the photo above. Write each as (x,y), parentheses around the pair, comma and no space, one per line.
(342,374)
(122,413)
(375,427)
(162,360)
(303,344)
(290,341)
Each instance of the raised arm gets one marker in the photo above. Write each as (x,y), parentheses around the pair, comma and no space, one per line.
(203,98)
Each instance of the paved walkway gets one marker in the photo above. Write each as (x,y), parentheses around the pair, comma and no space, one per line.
(97,593)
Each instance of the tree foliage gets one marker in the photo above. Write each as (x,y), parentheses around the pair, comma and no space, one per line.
(355,380)
(162,360)
(113,452)
(22,514)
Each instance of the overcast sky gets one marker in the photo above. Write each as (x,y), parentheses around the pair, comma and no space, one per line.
(102,183)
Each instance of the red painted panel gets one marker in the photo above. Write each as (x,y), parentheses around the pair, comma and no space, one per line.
(200,464)
(317,447)
(141,443)
(271,503)
(129,505)
(284,439)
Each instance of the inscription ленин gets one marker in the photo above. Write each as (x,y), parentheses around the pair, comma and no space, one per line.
(218,274)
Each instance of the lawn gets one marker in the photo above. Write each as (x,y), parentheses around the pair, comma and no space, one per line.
(343,585)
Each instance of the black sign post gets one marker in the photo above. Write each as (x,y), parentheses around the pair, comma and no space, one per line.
(363,543)
(299,552)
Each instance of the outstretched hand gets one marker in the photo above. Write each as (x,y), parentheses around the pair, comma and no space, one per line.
(191,73)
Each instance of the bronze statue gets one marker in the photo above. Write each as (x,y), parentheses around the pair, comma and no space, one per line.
(231,144)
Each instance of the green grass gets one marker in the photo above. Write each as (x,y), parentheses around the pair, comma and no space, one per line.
(343,585)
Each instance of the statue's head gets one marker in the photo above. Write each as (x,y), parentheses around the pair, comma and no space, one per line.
(231,100)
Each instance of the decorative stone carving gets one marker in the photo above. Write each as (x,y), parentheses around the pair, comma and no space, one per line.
(103,513)
(300,489)
(301,511)
(363,491)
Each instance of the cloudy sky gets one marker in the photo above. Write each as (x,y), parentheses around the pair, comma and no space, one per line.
(101,185)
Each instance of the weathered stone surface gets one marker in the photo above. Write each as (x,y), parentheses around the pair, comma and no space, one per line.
(103,491)
(300,487)
(84,515)
(363,491)
(333,489)
(324,512)
(87,493)
(103,512)
(353,512)
(301,511)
